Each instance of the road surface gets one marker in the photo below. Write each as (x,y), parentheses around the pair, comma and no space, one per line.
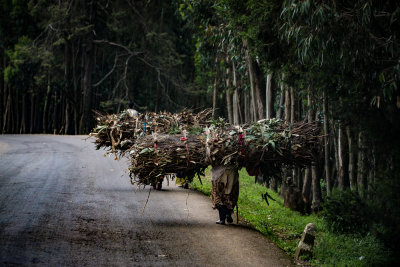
(63,203)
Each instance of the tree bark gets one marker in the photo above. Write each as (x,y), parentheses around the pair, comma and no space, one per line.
(23,115)
(352,175)
(281,99)
(228,92)
(258,78)
(46,106)
(287,106)
(88,56)
(292,105)
(215,90)
(55,117)
(6,120)
(268,97)
(316,189)
(306,190)
(326,146)
(32,112)
(247,111)
(361,166)
(342,159)
(236,102)
(252,81)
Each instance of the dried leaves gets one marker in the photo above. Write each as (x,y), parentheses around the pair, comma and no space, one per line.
(162,143)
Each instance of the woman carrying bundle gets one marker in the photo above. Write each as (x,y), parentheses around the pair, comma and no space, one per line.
(225,191)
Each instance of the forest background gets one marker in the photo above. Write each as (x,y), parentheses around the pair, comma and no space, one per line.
(336,62)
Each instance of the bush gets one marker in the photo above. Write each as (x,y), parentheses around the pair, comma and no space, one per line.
(346,212)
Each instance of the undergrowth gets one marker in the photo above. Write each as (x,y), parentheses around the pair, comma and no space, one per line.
(284,227)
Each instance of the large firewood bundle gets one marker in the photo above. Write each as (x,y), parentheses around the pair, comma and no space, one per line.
(267,144)
(118,132)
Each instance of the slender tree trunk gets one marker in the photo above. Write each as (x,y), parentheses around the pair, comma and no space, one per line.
(55,117)
(342,158)
(316,189)
(336,153)
(292,105)
(32,113)
(17,118)
(306,190)
(247,110)
(236,105)
(326,146)
(76,98)
(46,106)
(215,91)
(6,121)
(258,79)
(352,175)
(12,118)
(228,92)
(372,168)
(361,172)
(89,61)
(252,81)
(268,97)
(287,106)
(23,116)
(67,88)
(279,114)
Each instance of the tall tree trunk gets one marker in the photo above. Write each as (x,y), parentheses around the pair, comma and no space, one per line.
(316,189)
(17,111)
(306,190)
(215,90)
(23,115)
(11,113)
(228,92)
(32,117)
(236,102)
(46,105)
(342,158)
(55,117)
(252,81)
(268,97)
(361,172)
(281,99)
(287,106)
(67,85)
(292,105)
(258,79)
(89,61)
(372,168)
(6,120)
(352,175)
(247,109)
(75,104)
(326,146)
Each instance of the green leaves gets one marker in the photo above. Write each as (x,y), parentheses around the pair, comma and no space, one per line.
(146,150)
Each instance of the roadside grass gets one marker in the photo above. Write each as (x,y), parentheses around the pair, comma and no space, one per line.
(285,227)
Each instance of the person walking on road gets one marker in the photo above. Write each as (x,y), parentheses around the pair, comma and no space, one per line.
(225,191)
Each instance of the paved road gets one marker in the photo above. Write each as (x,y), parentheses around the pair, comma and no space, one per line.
(63,203)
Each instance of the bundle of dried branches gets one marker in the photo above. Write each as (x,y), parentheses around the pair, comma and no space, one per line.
(268,144)
(118,132)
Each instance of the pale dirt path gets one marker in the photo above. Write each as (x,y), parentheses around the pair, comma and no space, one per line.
(62,203)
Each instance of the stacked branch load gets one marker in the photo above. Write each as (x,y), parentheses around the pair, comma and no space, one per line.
(164,143)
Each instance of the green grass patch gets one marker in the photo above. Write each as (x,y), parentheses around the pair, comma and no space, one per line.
(284,227)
